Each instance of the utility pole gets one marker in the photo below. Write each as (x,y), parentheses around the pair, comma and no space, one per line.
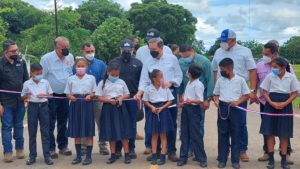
(56,21)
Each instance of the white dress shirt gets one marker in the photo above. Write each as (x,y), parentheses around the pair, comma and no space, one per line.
(155,96)
(42,87)
(231,89)
(194,90)
(169,66)
(112,90)
(86,85)
(242,58)
(288,83)
(143,53)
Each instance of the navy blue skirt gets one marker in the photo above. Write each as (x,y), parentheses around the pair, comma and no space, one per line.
(281,126)
(115,123)
(161,123)
(81,119)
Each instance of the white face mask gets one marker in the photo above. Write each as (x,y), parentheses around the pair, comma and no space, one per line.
(224,46)
(90,56)
(266,59)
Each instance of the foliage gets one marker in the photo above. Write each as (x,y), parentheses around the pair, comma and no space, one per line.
(198,46)
(291,49)
(211,52)
(254,46)
(108,35)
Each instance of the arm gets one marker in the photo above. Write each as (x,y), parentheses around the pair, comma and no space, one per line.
(165,106)
(178,73)
(71,97)
(25,72)
(150,106)
(106,100)
(253,82)
(215,74)
(240,101)
(210,78)
(216,100)
(1,110)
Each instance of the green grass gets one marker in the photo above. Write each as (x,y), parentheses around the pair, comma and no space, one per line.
(296,68)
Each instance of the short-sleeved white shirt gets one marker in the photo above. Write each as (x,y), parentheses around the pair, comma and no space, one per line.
(194,90)
(143,53)
(112,90)
(288,83)
(155,96)
(242,58)
(231,89)
(42,87)
(86,85)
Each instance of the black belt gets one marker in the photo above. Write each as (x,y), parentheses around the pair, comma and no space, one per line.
(39,104)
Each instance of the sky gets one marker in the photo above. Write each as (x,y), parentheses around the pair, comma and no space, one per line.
(260,20)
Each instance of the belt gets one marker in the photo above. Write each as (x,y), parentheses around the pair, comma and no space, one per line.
(39,104)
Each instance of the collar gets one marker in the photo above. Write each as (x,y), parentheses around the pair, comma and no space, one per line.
(32,82)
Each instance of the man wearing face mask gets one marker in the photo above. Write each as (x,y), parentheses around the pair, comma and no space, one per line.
(245,67)
(13,73)
(57,68)
(130,72)
(263,68)
(172,73)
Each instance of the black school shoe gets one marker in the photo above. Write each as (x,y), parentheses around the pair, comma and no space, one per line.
(87,161)
(221,165)
(203,164)
(236,165)
(181,163)
(132,154)
(127,159)
(77,160)
(162,160)
(112,159)
(118,154)
(30,161)
(49,161)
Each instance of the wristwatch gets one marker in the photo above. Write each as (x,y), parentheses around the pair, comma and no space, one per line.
(253,91)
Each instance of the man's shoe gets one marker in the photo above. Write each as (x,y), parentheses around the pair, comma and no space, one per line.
(181,163)
(132,154)
(65,151)
(172,157)
(20,154)
(8,158)
(244,157)
(30,161)
(289,160)
(103,149)
(147,151)
(76,161)
(221,165)
(139,137)
(265,157)
(203,164)
(53,155)
(236,165)
(87,161)
(49,161)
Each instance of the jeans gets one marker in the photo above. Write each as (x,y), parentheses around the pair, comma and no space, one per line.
(58,111)
(13,119)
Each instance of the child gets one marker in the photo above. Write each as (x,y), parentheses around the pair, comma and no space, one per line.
(191,118)
(279,90)
(159,121)
(231,90)
(39,90)
(80,90)
(115,122)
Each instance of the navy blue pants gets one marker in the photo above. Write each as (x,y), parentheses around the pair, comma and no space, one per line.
(38,113)
(191,116)
(229,119)
(132,107)
(58,112)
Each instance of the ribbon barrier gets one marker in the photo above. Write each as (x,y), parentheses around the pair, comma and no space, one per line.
(268,114)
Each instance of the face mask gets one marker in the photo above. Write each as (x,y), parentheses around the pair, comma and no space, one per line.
(113,79)
(90,56)
(65,51)
(38,78)
(14,57)
(224,45)
(126,55)
(224,74)
(266,59)
(154,54)
(276,71)
(80,71)
(188,60)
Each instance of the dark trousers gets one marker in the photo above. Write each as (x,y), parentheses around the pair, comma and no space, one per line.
(38,112)
(229,119)
(191,116)
(132,107)
(172,135)
(58,111)
(265,137)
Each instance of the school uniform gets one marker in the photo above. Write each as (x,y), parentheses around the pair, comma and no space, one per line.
(229,118)
(81,116)
(115,120)
(162,122)
(279,91)
(191,117)
(38,112)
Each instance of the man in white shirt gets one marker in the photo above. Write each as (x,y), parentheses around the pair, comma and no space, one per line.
(246,68)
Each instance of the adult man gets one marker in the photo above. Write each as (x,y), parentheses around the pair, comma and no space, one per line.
(169,65)
(143,53)
(263,68)
(130,72)
(96,68)
(135,43)
(244,67)
(13,73)
(57,67)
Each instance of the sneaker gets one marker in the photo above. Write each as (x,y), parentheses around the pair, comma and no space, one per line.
(172,157)
(30,161)
(147,151)
(244,157)
(132,154)
(49,161)
(76,161)
(20,154)
(265,157)
(8,158)
(53,155)
(103,149)
(65,151)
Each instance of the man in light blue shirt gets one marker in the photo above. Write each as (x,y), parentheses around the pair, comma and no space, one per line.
(57,68)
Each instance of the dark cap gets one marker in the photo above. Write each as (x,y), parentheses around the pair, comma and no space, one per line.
(126,43)
(152,33)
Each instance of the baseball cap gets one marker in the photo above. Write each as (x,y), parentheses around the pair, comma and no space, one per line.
(126,43)
(152,33)
(227,34)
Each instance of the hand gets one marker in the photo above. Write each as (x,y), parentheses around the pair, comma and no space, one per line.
(88,98)
(41,95)
(216,102)
(26,97)
(167,85)
(160,109)
(1,110)
(113,102)
(180,104)
(234,104)
(72,98)
(120,99)
(154,109)
(253,98)
(279,105)
(138,96)
(206,104)
(188,101)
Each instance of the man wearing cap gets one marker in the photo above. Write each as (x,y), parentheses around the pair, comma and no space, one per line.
(130,72)
(244,66)
(143,53)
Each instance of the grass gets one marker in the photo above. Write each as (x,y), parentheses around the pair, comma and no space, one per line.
(296,68)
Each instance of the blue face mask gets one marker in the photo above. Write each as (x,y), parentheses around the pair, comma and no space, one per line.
(112,79)
(188,60)
(276,71)
(38,78)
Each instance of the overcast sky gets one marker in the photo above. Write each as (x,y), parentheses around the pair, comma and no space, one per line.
(260,20)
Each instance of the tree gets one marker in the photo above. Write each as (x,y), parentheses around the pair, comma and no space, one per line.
(198,46)
(95,12)
(108,35)
(291,49)
(211,52)
(3,30)
(176,24)
(254,46)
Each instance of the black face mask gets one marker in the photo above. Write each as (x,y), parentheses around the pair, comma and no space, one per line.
(137,46)
(14,57)
(224,74)
(154,54)
(65,51)
(126,55)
